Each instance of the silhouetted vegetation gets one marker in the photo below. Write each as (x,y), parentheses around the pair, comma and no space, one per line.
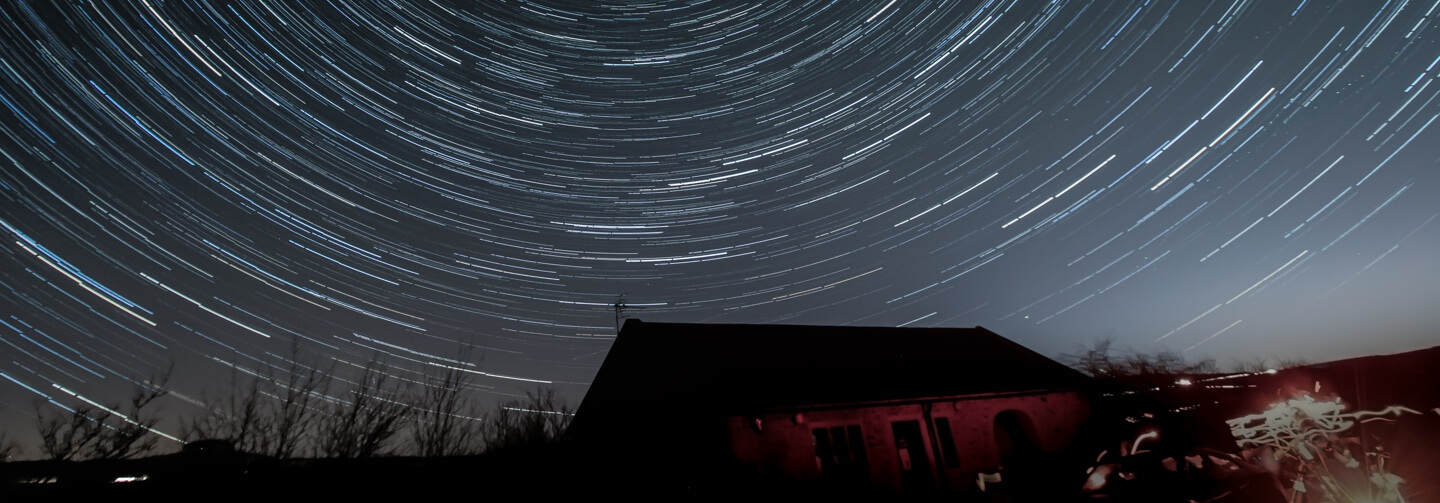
(120,431)
(9,447)
(266,413)
(372,413)
(1101,361)
(1263,364)
(447,418)
(290,407)
(297,409)
(537,419)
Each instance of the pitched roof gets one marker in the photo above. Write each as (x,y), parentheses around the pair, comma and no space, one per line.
(739,368)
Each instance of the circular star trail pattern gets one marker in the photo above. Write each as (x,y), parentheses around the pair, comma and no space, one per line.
(206,183)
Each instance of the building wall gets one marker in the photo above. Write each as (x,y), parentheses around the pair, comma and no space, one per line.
(1056,417)
(783,443)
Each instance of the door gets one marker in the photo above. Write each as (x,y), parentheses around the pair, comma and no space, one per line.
(916,477)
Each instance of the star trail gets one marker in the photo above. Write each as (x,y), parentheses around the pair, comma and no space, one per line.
(207,182)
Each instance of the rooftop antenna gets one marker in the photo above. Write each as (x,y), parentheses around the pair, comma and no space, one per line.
(620,307)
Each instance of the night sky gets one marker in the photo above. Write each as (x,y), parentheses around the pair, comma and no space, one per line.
(204,183)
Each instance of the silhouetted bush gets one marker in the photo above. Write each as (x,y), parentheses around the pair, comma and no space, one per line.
(537,419)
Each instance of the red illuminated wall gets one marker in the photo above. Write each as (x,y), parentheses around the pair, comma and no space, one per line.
(783,445)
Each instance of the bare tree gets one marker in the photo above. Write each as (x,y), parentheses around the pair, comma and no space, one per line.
(67,437)
(241,419)
(1101,361)
(447,419)
(295,412)
(9,447)
(363,424)
(121,431)
(267,413)
(130,435)
(539,418)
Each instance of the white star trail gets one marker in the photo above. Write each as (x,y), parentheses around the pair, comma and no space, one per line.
(205,182)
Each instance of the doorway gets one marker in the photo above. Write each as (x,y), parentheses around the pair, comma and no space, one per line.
(1014,437)
(916,477)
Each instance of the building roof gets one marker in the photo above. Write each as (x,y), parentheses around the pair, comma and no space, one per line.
(749,368)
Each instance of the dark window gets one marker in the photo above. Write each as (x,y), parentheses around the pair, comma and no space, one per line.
(840,452)
(947,442)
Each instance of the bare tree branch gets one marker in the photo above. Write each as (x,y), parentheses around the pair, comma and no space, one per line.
(130,434)
(241,419)
(70,436)
(447,419)
(295,413)
(9,447)
(97,432)
(265,413)
(363,424)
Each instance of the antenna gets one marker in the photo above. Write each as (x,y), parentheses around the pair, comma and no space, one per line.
(620,307)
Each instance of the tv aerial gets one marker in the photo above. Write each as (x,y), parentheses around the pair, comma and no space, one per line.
(620,307)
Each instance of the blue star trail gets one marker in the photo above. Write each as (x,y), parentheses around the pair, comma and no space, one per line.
(206,183)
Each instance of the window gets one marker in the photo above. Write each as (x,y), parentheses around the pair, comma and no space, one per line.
(947,442)
(840,452)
